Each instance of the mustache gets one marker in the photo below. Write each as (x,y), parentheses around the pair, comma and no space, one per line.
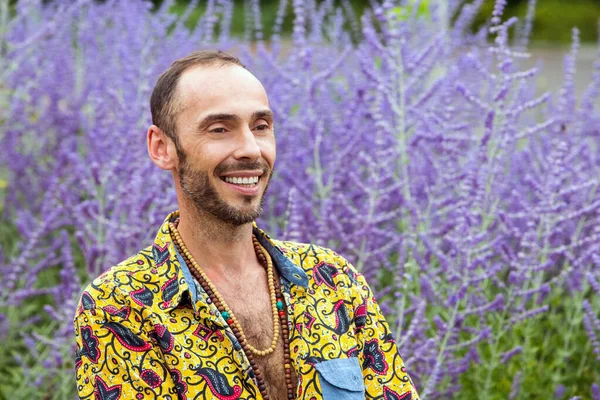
(242,166)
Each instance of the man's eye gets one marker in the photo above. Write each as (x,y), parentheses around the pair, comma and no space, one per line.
(217,130)
(262,127)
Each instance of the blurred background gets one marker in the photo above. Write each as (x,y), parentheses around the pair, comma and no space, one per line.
(472,205)
(551,36)
(553,19)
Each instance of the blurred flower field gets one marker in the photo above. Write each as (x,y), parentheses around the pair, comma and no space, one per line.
(424,153)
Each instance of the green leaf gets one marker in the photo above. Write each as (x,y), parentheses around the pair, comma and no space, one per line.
(404,12)
(377,62)
(294,109)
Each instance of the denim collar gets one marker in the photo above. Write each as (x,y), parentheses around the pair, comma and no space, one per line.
(285,266)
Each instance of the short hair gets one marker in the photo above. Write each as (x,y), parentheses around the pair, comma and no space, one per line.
(163,102)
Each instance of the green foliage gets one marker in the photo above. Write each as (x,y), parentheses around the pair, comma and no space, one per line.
(553,19)
(268,11)
(555,348)
(555,351)
(18,378)
(406,11)
(17,382)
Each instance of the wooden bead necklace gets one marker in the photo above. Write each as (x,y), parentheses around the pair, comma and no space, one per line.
(277,306)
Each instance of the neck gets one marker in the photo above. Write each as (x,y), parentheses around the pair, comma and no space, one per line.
(221,249)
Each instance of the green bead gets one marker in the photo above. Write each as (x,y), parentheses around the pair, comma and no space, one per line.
(225,315)
(279,305)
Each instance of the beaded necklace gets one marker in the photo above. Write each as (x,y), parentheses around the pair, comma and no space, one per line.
(280,319)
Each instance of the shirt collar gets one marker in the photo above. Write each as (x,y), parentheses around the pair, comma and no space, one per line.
(163,242)
(286,267)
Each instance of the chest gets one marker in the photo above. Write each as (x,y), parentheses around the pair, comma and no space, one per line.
(252,307)
(210,360)
(254,311)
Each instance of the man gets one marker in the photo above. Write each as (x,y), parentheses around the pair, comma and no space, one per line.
(215,308)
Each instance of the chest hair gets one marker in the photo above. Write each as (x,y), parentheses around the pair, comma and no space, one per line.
(252,307)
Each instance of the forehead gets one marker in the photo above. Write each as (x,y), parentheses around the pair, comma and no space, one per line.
(220,89)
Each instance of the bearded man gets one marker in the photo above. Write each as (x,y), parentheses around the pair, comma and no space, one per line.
(215,308)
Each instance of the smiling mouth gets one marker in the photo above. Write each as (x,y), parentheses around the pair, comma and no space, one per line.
(246,181)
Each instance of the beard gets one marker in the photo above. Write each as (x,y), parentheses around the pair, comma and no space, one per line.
(197,187)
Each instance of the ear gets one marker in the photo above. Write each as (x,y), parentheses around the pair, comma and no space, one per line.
(161,149)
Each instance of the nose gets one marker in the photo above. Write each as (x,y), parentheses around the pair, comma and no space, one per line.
(247,146)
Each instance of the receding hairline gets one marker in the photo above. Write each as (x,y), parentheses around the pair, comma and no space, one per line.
(164,101)
(176,104)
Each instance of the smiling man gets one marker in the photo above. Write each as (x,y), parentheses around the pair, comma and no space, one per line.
(215,308)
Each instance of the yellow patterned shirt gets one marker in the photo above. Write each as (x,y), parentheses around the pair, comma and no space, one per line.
(146,330)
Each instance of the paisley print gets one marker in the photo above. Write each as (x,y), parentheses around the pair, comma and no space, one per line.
(144,331)
(164,338)
(142,297)
(389,394)
(126,337)
(169,290)
(87,302)
(122,312)
(360,317)
(352,275)
(104,392)
(78,361)
(180,386)
(323,273)
(217,382)
(342,320)
(375,358)
(90,344)
(310,320)
(160,253)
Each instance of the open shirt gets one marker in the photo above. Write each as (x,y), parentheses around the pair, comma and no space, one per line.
(146,329)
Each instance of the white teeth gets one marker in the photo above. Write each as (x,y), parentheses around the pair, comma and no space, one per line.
(242,181)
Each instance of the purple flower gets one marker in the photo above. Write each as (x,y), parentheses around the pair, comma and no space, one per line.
(428,158)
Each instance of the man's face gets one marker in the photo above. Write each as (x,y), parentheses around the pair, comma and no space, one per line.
(227,152)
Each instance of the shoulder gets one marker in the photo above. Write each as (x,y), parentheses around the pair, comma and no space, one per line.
(321,264)
(114,286)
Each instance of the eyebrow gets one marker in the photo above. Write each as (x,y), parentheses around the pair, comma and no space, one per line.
(212,118)
(266,114)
